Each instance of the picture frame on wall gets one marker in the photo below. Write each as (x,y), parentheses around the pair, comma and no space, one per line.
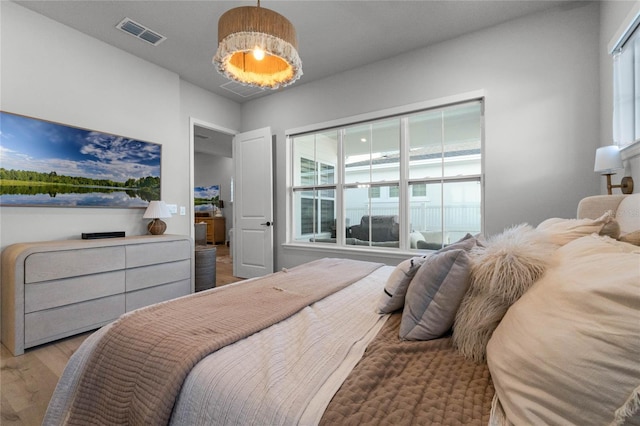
(48,164)
(206,198)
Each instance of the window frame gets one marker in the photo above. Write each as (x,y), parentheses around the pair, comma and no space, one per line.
(629,30)
(478,96)
(317,201)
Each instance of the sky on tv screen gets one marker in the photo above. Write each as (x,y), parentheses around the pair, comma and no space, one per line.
(42,146)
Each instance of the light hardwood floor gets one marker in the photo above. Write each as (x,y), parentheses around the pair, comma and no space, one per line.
(28,381)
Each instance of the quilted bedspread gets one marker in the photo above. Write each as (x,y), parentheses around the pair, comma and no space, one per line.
(136,370)
(408,383)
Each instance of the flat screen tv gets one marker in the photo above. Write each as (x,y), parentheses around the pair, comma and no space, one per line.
(47,164)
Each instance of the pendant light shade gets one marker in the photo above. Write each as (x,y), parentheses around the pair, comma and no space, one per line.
(244,33)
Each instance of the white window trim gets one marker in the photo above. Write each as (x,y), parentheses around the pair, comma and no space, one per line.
(394,253)
(629,24)
(624,32)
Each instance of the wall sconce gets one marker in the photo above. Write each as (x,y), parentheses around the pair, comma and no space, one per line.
(157,210)
(607,161)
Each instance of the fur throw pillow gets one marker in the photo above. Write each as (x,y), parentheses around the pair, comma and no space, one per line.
(501,272)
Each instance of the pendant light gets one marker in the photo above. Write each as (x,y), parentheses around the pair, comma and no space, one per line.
(257,47)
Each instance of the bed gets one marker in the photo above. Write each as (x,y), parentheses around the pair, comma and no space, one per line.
(535,325)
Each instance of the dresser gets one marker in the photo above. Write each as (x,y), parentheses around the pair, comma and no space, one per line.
(216,229)
(56,289)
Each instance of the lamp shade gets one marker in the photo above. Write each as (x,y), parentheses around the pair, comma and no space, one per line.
(157,210)
(608,160)
(257,47)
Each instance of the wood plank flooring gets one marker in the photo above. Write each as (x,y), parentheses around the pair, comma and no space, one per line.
(28,381)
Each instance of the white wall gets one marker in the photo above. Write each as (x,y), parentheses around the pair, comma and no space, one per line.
(53,72)
(612,16)
(541,78)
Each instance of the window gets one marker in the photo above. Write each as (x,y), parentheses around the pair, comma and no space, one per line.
(626,87)
(411,181)
(314,173)
(419,190)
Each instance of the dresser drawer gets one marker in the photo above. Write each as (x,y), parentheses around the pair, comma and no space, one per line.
(161,252)
(148,296)
(55,289)
(149,276)
(46,266)
(52,324)
(50,294)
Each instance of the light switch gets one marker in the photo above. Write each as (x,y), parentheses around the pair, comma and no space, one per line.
(183,210)
(173,208)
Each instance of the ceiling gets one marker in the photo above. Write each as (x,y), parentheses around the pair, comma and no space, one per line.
(333,36)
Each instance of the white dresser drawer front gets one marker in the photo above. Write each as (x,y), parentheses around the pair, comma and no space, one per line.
(51,324)
(50,294)
(161,252)
(46,266)
(149,276)
(140,298)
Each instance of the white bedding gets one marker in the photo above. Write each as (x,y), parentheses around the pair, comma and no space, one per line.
(230,386)
(568,351)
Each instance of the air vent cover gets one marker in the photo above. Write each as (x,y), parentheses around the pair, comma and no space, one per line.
(137,30)
(241,89)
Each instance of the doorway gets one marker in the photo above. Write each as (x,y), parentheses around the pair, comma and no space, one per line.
(212,166)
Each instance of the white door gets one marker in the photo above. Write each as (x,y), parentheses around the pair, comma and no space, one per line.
(253,204)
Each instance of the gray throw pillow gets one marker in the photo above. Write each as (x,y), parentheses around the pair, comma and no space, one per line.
(434,295)
(466,243)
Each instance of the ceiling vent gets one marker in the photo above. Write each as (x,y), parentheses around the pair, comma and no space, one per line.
(241,89)
(140,31)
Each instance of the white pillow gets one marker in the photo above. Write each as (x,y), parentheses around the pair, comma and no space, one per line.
(561,231)
(568,351)
(628,214)
(395,289)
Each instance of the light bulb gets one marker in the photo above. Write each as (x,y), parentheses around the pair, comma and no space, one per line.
(258,54)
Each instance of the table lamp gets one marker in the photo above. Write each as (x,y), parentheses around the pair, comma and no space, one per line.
(157,210)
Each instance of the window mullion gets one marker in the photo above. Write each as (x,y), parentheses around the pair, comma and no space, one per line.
(403,189)
(442,205)
(340,211)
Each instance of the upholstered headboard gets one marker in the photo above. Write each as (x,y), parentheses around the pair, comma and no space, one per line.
(625,207)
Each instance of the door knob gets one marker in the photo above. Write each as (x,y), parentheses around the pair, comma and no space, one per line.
(267,223)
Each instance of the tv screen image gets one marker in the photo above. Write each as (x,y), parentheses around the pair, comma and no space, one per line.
(47,164)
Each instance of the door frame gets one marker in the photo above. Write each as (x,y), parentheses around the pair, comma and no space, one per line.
(211,126)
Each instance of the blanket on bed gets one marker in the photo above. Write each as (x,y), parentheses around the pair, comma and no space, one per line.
(136,371)
(412,382)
